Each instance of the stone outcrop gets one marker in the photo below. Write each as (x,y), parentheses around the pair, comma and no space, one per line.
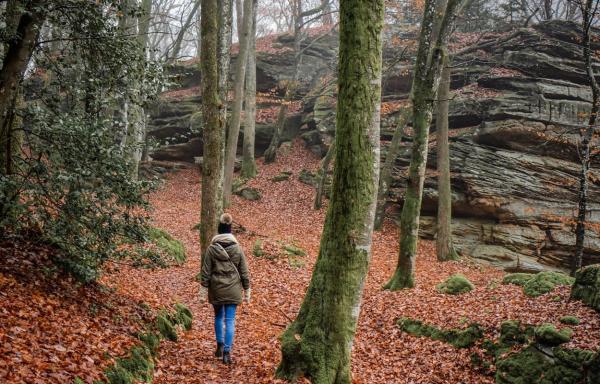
(519,101)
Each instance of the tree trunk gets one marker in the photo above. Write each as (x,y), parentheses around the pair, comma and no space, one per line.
(322,176)
(385,179)
(428,66)
(444,247)
(14,64)
(271,152)
(236,113)
(224,54)
(589,14)
(318,343)
(213,125)
(326,10)
(248,161)
(239,18)
(184,28)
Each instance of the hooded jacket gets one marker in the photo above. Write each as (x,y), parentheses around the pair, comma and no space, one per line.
(219,273)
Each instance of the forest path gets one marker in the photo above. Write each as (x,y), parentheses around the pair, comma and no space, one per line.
(381,353)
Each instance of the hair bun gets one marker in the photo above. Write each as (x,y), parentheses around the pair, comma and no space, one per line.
(226,218)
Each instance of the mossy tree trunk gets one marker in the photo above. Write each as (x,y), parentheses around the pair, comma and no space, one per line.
(444,247)
(589,12)
(248,161)
(213,125)
(26,20)
(428,67)
(236,113)
(318,343)
(385,179)
(225,15)
(322,176)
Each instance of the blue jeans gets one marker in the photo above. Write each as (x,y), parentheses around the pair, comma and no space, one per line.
(225,313)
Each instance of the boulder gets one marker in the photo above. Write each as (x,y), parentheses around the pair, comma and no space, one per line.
(587,286)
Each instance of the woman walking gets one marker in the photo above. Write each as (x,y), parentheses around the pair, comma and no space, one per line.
(223,277)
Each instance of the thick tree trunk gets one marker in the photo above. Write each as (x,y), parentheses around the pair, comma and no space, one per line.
(239,18)
(444,247)
(213,126)
(14,64)
(588,53)
(143,38)
(385,179)
(322,176)
(225,16)
(428,66)
(248,161)
(236,113)
(318,343)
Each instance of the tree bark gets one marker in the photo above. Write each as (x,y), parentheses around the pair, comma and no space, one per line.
(18,53)
(271,152)
(236,113)
(184,28)
(213,126)
(322,176)
(224,54)
(385,179)
(239,19)
(248,161)
(318,343)
(445,249)
(326,10)
(589,13)
(428,66)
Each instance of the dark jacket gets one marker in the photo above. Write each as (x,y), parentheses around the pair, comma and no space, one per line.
(218,273)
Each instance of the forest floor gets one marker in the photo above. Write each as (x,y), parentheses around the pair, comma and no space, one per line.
(284,215)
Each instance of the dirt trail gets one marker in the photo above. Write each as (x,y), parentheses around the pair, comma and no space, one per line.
(381,353)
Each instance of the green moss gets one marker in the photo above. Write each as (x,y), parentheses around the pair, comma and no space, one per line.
(547,334)
(165,328)
(139,364)
(257,250)
(171,247)
(455,285)
(150,341)
(570,320)
(459,338)
(249,193)
(511,333)
(183,316)
(118,375)
(294,250)
(545,282)
(78,380)
(308,177)
(517,278)
(283,176)
(587,286)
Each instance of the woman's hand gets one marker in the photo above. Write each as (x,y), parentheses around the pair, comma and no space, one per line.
(247,294)
(203,294)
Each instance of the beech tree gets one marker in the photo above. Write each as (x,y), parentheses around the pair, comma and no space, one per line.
(248,161)
(589,12)
(430,59)
(318,343)
(213,125)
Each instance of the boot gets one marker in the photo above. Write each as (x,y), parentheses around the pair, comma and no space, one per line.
(226,358)
(219,351)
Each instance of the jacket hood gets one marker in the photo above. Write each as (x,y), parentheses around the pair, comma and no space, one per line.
(219,243)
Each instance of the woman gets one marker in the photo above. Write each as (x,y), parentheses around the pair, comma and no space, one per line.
(224,274)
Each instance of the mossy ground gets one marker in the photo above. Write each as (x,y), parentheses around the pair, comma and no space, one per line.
(459,338)
(455,285)
(587,286)
(535,285)
(173,250)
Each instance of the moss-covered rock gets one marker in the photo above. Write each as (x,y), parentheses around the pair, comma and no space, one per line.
(116,374)
(291,249)
(547,334)
(570,320)
(139,364)
(557,365)
(249,193)
(459,338)
(545,282)
(171,248)
(517,278)
(283,176)
(151,341)
(182,316)
(512,332)
(455,285)
(587,286)
(166,328)
(308,177)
